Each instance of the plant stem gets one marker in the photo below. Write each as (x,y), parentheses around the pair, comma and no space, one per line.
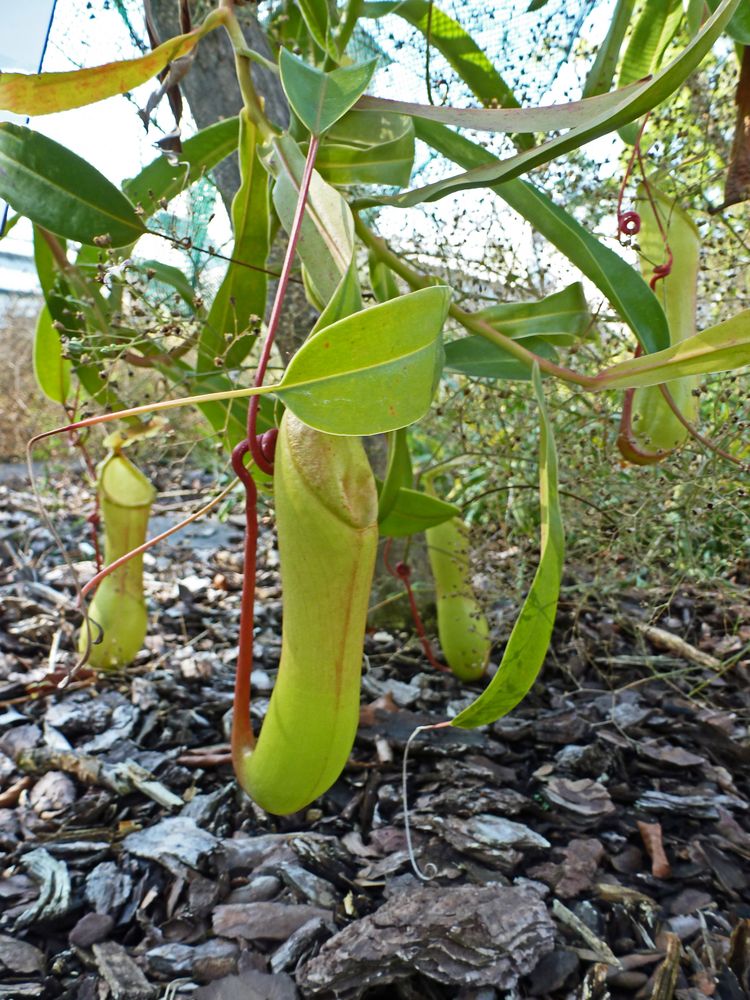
(253,104)
(243,738)
(468,320)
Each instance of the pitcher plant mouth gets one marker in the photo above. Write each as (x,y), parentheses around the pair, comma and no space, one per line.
(116,622)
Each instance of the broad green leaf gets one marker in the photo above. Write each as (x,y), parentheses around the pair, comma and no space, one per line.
(60,191)
(456,45)
(242,293)
(479,358)
(535,5)
(382,279)
(368,148)
(166,176)
(166,274)
(602,72)
(372,372)
(548,118)
(621,284)
(398,474)
(530,638)
(561,318)
(326,243)
(634,103)
(51,371)
(412,512)
(44,93)
(721,348)
(318,98)
(738,28)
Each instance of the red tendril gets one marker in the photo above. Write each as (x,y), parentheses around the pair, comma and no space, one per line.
(402,571)
(628,223)
(261,449)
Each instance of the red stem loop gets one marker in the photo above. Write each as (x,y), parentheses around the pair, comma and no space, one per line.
(402,571)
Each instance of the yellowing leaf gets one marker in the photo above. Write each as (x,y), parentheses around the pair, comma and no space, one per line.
(45,93)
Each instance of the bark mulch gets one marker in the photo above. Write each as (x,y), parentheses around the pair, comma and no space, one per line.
(595,843)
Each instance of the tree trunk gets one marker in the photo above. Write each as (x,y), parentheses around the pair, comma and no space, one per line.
(210,86)
(212,93)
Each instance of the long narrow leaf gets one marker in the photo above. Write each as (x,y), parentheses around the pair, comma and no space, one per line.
(242,293)
(45,93)
(455,44)
(326,243)
(51,370)
(530,638)
(720,348)
(602,73)
(621,284)
(634,103)
(548,118)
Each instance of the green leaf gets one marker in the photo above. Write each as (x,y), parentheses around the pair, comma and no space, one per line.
(317,98)
(653,30)
(602,72)
(242,293)
(477,357)
(326,243)
(530,638)
(347,299)
(561,318)
(44,93)
(368,148)
(720,348)
(412,512)
(166,274)
(382,279)
(694,16)
(398,474)
(620,283)
(372,372)
(635,102)
(458,47)
(548,118)
(45,262)
(60,191)
(317,18)
(51,371)
(166,176)
(738,28)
